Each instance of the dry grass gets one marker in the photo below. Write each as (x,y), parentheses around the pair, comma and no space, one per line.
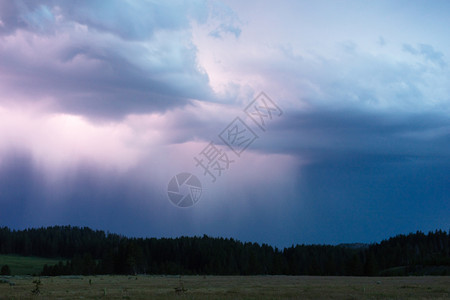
(228,287)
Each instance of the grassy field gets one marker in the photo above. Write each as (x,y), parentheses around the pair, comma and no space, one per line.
(226,287)
(24,265)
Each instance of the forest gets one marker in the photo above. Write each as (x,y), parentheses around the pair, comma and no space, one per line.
(84,251)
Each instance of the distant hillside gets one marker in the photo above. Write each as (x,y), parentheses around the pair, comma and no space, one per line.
(86,251)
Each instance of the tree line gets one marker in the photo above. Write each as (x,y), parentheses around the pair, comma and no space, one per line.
(86,251)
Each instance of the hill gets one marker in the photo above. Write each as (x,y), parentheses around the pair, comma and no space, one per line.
(96,252)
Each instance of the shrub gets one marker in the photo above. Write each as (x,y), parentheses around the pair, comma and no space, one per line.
(5,270)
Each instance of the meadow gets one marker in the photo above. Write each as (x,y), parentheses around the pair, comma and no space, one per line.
(21,265)
(225,287)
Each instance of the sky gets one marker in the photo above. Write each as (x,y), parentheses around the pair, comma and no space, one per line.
(304,122)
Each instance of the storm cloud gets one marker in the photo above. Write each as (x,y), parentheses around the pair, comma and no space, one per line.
(102,103)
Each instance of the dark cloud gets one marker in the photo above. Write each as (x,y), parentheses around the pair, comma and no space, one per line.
(372,134)
(129,203)
(85,196)
(368,197)
(353,197)
(103,59)
(367,175)
(320,134)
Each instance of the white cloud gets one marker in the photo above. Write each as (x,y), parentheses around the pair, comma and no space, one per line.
(355,72)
